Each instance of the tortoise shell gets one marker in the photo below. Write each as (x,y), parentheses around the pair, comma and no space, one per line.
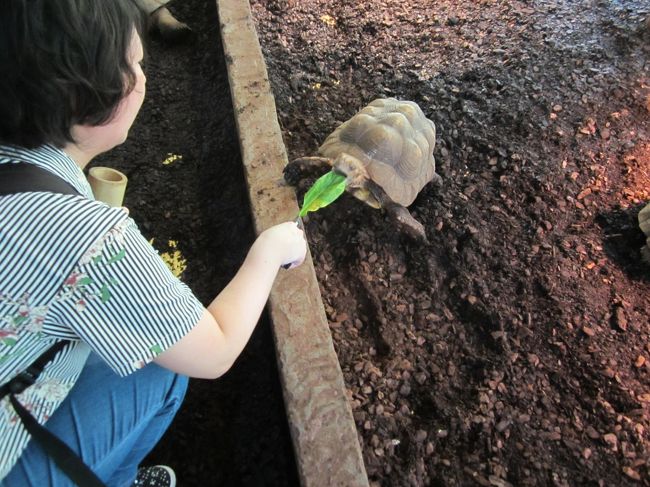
(394,141)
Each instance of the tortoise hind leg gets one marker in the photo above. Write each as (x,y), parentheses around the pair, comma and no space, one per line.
(400,215)
(304,168)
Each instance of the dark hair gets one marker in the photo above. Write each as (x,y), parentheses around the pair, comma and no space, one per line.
(62,62)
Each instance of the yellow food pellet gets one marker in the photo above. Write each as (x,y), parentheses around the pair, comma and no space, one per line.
(174,259)
(328,19)
(171,158)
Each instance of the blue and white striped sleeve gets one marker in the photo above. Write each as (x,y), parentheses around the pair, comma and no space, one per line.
(124,302)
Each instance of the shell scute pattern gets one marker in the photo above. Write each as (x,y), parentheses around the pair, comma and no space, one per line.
(394,141)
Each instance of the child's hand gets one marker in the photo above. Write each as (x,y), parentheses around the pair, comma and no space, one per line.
(286,242)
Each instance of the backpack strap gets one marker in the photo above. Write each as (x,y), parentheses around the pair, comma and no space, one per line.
(66,459)
(21,177)
(28,376)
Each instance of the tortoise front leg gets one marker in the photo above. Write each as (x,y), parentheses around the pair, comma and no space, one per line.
(305,168)
(400,215)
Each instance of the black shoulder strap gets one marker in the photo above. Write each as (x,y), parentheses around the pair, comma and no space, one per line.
(26,378)
(66,459)
(25,178)
(21,177)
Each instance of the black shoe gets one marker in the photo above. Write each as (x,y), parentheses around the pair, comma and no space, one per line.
(158,476)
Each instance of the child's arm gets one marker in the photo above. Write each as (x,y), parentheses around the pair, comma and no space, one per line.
(212,346)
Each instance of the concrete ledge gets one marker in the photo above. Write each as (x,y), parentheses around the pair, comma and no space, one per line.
(320,419)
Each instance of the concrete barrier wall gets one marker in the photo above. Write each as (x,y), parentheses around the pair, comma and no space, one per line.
(320,419)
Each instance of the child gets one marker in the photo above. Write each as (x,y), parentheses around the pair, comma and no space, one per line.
(78,275)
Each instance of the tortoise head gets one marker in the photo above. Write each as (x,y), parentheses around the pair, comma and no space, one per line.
(356,178)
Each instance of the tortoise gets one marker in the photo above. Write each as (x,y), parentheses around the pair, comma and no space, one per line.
(644,225)
(386,153)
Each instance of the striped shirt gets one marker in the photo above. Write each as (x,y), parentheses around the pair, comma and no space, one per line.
(75,269)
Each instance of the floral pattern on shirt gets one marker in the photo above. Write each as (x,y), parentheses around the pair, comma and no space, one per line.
(48,389)
(155,350)
(77,286)
(24,316)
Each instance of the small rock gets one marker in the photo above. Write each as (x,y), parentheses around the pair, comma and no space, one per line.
(644,397)
(341,317)
(589,127)
(640,360)
(583,194)
(592,433)
(405,390)
(630,472)
(588,331)
(420,436)
(611,440)
(619,318)
(586,453)
(554,436)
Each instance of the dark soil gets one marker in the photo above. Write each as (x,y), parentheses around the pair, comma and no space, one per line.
(513,348)
(232,431)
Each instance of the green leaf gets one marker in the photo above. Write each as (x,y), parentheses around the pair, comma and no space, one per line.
(19,320)
(84,281)
(117,257)
(156,349)
(10,342)
(324,191)
(105,293)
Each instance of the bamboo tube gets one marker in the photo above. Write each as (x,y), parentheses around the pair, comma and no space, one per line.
(108,185)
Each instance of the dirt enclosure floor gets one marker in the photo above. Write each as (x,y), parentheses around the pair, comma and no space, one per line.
(511,349)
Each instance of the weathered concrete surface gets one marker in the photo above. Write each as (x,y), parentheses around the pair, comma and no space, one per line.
(320,419)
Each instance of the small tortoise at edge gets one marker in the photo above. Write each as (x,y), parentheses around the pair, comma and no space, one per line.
(386,153)
(644,225)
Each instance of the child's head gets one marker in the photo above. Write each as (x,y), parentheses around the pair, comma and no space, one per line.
(67,63)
